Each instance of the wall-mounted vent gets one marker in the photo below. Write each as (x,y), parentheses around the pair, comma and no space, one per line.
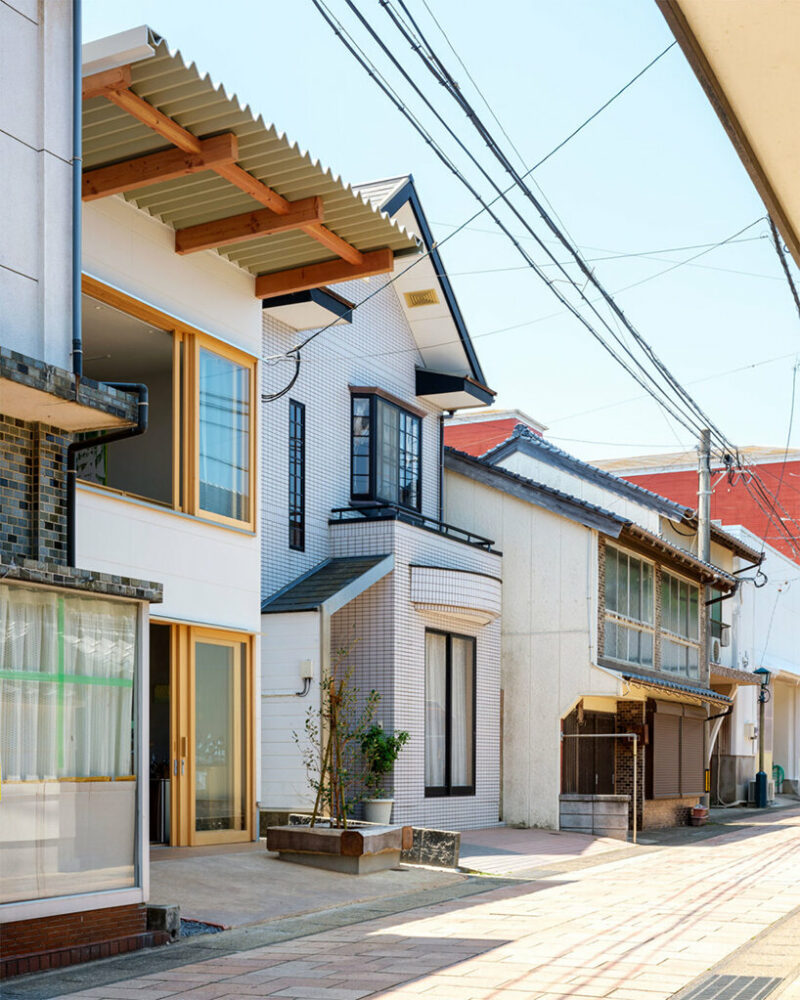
(426,297)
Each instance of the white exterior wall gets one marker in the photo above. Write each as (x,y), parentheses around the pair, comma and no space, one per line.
(561,479)
(36,179)
(286,639)
(549,637)
(377,349)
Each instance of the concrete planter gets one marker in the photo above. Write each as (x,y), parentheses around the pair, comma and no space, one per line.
(357,851)
(600,815)
(378,811)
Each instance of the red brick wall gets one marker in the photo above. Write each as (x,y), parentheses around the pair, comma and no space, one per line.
(630,719)
(732,504)
(52,942)
(478,438)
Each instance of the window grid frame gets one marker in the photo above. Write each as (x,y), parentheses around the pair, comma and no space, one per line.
(406,418)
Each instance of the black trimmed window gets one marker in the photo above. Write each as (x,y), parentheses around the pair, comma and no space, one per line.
(450,662)
(385,452)
(297,476)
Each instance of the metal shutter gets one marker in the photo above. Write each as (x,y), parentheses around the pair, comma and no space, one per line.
(692,769)
(666,754)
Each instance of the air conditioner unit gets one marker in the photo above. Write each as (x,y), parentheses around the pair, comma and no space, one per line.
(751,791)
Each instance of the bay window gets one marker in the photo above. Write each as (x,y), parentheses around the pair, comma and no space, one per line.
(68,679)
(385,452)
(680,625)
(449,714)
(629,608)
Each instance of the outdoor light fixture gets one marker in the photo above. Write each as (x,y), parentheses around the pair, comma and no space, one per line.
(764,677)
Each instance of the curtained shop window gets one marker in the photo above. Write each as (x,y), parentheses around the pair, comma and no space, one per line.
(449,714)
(67,686)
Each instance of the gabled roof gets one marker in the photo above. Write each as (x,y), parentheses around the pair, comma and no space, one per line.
(398,198)
(576,509)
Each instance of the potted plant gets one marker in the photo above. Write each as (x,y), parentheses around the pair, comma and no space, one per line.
(380,750)
(333,734)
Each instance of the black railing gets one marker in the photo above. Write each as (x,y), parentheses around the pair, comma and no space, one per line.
(388,512)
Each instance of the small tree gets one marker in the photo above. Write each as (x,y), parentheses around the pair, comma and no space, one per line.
(332,735)
(380,750)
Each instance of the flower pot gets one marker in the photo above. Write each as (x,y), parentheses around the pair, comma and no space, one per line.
(698,816)
(378,811)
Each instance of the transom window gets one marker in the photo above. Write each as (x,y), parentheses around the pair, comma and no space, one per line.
(680,623)
(629,608)
(385,454)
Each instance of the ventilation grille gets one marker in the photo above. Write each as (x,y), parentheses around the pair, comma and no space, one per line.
(426,297)
(733,988)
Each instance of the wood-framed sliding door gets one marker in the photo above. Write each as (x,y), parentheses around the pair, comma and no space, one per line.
(211,736)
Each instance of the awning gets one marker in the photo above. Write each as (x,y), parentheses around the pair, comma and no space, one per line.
(728,675)
(329,585)
(173,143)
(451,392)
(693,692)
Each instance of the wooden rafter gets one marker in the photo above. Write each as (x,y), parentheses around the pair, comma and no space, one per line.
(352,263)
(158,167)
(238,228)
(329,272)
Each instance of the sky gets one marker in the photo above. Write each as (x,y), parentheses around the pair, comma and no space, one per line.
(654,172)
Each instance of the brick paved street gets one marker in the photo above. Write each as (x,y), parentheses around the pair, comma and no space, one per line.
(637,928)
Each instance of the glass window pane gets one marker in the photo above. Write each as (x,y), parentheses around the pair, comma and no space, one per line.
(622,584)
(694,620)
(224,450)
(461,763)
(67,675)
(611,579)
(648,609)
(635,606)
(435,709)
(219,737)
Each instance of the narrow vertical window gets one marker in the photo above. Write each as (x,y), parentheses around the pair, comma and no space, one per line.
(297,476)
(449,714)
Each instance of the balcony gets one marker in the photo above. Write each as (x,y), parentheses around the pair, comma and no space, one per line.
(389,512)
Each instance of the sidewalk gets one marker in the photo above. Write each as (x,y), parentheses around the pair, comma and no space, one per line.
(641,927)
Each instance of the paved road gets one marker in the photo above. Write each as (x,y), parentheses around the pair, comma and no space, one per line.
(642,927)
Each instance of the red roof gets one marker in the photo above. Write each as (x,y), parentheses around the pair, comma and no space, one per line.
(481,436)
(733,504)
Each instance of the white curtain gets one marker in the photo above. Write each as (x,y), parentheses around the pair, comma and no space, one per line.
(435,709)
(461,681)
(79,724)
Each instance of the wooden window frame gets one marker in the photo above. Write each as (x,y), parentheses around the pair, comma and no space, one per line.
(676,637)
(187,343)
(635,624)
(449,790)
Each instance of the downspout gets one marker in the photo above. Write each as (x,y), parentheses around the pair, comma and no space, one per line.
(77,124)
(76,446)
(441,467)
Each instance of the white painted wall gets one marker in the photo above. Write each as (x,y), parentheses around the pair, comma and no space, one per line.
(286,639)
(35,179)
(210,573)
(549,636)
(568,482)
(128,249)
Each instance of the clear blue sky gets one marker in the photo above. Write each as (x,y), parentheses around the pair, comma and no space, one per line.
(654,171)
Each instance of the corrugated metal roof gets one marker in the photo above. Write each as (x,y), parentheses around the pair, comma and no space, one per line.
(377,193)
(203,108)
(669,685)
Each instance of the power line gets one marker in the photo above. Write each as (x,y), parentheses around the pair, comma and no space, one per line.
(779,250)
(434,64)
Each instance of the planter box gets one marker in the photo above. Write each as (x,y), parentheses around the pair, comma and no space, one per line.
(357,851)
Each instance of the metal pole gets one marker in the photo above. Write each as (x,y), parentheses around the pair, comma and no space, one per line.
(704,552)
(635,803)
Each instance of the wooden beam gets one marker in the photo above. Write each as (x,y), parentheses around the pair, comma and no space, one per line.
(102,84)
(238,228)
(157,167)
(328,273)
(334,243)
(232,172)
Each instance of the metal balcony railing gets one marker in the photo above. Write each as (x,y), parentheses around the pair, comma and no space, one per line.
(389,512)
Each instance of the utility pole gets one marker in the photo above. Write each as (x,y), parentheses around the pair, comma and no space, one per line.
(704,553)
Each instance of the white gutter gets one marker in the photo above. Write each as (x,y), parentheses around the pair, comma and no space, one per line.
(117,50)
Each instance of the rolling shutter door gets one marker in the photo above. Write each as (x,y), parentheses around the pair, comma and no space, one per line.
(692,769)
(666,750)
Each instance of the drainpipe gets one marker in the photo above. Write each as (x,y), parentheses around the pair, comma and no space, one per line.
(77,124)
(76,446)
(441,466)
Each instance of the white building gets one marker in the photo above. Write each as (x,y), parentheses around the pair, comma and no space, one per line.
(354,553)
